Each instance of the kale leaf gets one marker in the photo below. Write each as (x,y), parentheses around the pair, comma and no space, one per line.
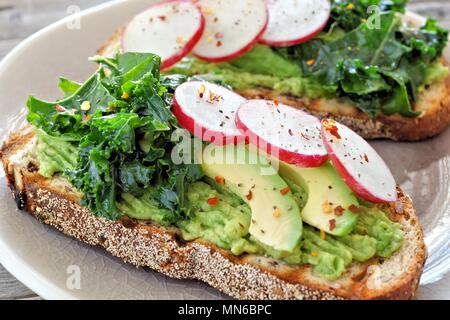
(121,120)
(378,69)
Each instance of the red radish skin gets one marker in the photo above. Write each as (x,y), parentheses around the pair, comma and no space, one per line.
(197,52)
(187,46)
(194,113)
(305,140)
(287,14)
(332,132)
(293,42)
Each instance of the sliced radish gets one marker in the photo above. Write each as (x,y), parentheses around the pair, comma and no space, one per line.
(169,29)
(289,134)
(293,21)
(232,28)
(364,171)
(208,111)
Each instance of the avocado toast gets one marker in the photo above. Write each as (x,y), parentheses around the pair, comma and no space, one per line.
(98,165)
(379,71)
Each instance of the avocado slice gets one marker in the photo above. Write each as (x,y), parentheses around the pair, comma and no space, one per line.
(276,220)
(326,190)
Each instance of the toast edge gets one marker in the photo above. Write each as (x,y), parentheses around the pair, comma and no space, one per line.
(145,245)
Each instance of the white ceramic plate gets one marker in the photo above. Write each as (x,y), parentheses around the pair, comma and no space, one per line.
(41,257)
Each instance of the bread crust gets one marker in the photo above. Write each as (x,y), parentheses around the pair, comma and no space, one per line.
(434,102)
(145,244)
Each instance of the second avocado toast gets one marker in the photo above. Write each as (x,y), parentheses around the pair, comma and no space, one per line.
(374,66)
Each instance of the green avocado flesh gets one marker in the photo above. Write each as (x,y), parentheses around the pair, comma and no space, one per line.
(227,223)
(261,67)
(276,220)
(55,154)
(326,190)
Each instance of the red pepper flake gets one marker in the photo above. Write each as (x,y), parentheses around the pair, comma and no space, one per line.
(218,43)
(366,158)
(60,108)
(213,201)
(334,132)
(220,179)
(276,103)
(249,196)
(339,211)
(331,128)
(162,18)
(218,35)
(354,209)
(332,223)
(285,191)
(87,118)
(290,132)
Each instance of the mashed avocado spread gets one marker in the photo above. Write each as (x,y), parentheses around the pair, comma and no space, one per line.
(226,224)
(261,67)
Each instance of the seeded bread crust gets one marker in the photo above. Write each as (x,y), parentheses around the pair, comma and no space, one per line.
(145,244)
(434,102)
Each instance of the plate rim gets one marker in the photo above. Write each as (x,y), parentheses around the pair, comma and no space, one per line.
(21,270)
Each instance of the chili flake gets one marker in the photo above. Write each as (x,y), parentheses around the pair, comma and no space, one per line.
(214,97)
(207,11)
(332,223)
(213,201)
(86,118)
(201,90)
(350,6)
(310,62)
(331,128)
(314,254)
(354,209)
(339,211)
(366,158)
(162,18)
(218,35)
(220,179)
(285,191)
(249,196)
(60,108)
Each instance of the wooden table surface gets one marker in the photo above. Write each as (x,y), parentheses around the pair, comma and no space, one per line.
(21,18)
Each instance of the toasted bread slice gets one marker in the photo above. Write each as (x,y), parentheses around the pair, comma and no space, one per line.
(144,244)
(434,103)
